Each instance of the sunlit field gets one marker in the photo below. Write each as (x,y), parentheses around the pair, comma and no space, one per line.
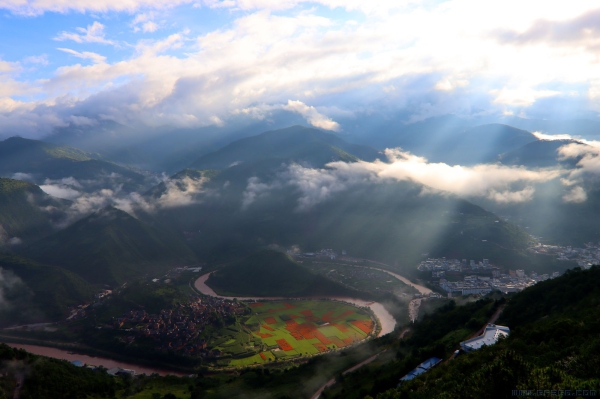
(287,330)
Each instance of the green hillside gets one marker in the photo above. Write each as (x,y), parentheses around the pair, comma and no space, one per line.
(39,292)
(389,221)
(111,247)
(45,160)
(296,143)
(21,210)
(271,273)
(553,345)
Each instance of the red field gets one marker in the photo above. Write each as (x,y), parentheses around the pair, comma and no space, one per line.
(262,356)
(365,326)
(284,345)
(320,347)
(327,317)
(264,335)
(338,342)
(270,320)
(341,327)
(266,327)
(256,305)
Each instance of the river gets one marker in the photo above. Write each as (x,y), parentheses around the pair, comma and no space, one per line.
(386,320)
(97,361)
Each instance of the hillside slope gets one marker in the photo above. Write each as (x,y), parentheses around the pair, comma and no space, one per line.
(111,247)
(271,273)
(25,211)
(40,161)
(38,292)
(542,153)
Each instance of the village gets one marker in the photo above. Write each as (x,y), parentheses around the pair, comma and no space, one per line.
(479,278)
(179,329)
(585,257)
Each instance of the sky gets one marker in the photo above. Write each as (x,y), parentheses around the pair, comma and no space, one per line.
(194,63)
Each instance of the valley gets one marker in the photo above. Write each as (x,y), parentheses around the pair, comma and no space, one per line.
(219,271)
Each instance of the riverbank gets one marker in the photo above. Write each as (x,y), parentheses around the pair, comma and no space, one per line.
(92,360)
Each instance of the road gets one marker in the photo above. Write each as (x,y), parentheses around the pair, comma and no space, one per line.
(351,369)
(20,378)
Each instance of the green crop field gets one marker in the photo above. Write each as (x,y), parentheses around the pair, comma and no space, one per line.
(278,331)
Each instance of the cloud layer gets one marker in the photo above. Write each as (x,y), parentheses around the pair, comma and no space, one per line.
(308,57)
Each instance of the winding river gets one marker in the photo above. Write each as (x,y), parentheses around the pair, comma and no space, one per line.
(386,320)
(97,361)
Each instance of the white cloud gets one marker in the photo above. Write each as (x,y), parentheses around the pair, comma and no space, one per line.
(150,26)
(60,191)
(145,22)
(507,196)
(310,113)
(96,58)
(23,176)
(38,7)
(181,192)
(15,241)
(402,54)
(552,137)
(94,33)
(576,194)
(255,189)
(36,59)
(494,182)
(522,97)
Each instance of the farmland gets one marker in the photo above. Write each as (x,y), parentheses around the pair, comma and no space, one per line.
(277,331)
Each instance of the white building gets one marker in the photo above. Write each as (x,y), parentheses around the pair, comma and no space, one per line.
(489,337)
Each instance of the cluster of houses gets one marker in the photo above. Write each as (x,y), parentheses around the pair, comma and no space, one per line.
(514,281)
(585,257)
(439,267)
(178,329)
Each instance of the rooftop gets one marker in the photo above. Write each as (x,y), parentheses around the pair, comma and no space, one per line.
(489,337)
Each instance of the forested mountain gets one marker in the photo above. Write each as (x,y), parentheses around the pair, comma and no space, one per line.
(247,206)
(457,144)
(38,161)
(26,212)
(33,292)
(111,247)
(296,143)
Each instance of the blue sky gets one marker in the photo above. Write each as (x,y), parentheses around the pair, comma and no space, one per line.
(187,63)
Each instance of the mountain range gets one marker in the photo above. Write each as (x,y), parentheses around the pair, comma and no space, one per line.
(283,187)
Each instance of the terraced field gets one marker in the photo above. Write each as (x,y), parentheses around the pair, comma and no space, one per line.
(286,330)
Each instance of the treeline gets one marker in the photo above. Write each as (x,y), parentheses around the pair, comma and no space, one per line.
(50,378)
(554,346)
(436,335)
